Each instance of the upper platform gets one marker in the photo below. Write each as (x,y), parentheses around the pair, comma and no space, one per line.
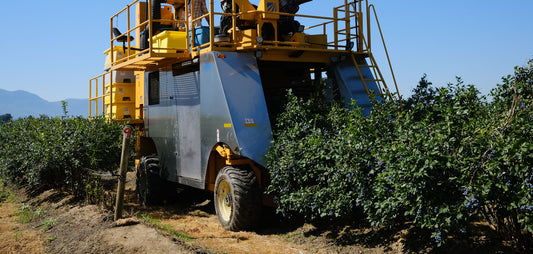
(273,31)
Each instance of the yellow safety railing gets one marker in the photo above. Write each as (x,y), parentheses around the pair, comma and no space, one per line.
(386,52)
(377,72)
(345,26)
(346,30)
(107,96)
(98,94)
(135,52)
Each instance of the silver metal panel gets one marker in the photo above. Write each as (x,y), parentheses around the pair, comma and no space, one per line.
(173,124)
(187,102)
(163,127)
(234,96)
(232,110)
(214,110)
(246,102)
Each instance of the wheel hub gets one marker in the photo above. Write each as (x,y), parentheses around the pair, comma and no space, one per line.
(224,200)
(227,200)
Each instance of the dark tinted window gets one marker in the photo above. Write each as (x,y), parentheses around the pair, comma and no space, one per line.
(153,88)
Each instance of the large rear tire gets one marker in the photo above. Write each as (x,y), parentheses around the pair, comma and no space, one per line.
(149,185)
(237,198)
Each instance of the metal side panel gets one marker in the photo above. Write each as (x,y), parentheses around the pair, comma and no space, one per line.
(351,86)
(187,102)
(215,119)
(162,126)
(173,125)
(233,102)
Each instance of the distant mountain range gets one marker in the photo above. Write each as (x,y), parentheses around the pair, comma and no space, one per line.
(22,104)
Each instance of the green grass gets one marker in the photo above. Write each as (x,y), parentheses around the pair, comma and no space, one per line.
(48,224)
(18,235)
(166,228)
(27,213)
(5,193)
(51,239)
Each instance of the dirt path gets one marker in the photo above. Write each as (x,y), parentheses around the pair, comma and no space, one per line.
(89,229)
(60,224)
(16,237)
(206,231)
(94,233)
(194,215)
(77,228)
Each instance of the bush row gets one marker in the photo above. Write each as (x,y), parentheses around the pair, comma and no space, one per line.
(448,159)
(57,152)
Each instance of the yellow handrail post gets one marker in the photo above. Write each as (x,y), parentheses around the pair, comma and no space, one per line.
(103,97)
(128,34)
(96,103)
(90,96)
(150,27)
(188,35)
(111,35)
(369,45)
(387,54)
(347,24)
(191,24)
(360,43)
(211,24)
(234,22)
(336,27)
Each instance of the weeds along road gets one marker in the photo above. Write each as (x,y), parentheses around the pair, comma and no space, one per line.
(53,222)
(49,221)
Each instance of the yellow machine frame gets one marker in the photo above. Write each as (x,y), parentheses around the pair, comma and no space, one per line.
(156,58)
(308,48)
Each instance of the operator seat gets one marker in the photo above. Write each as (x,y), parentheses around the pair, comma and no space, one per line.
(122,38)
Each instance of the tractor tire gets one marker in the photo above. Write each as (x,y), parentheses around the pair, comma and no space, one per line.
(149,185)
(237,198)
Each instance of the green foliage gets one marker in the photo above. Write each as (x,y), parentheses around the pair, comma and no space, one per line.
(64,106)
(424,163)
(5,193)
(423,97)
(304,160)
(51,239)
(48,224)
(5,118)
(28,213)
(504,182)
(165,228)
(449,159)
(94,191)
(58,152)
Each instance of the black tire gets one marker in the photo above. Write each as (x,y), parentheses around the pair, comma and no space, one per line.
(237,199)
(149,185)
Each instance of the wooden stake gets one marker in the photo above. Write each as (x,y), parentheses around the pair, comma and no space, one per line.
(122,172)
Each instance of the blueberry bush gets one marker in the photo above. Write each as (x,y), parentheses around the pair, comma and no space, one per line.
(58,152)
(450,158)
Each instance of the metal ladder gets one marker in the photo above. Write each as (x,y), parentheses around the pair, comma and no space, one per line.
(378,77)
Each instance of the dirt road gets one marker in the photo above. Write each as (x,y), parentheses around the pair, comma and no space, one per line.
(53,222)
(76,228)
(84,228)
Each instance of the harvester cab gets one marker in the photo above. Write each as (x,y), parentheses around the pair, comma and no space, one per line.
(203,99)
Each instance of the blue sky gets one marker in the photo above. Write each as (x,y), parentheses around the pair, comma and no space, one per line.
(52,48)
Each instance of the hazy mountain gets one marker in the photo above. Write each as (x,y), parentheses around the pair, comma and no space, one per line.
(22,104)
